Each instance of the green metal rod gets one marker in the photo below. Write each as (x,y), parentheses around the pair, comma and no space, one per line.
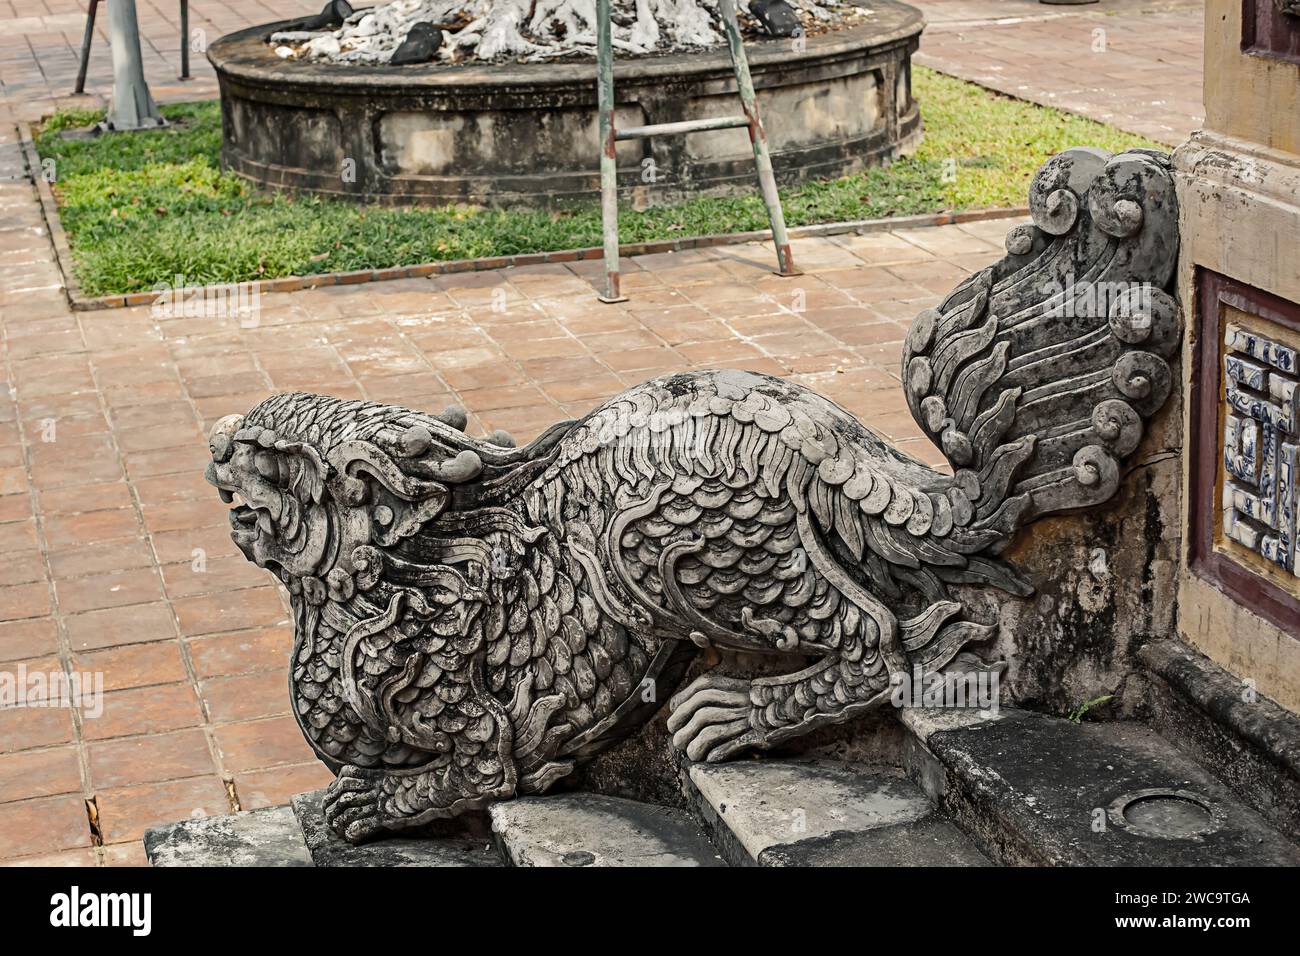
(758,138)
(608,146)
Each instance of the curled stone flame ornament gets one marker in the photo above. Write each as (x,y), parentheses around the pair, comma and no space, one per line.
(474,620)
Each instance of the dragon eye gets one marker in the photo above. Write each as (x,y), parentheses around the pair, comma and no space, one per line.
(267,464)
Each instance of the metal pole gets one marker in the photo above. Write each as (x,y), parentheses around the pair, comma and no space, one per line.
(185,39)
(132,107)
(608,153)
(85,46)
(758,138)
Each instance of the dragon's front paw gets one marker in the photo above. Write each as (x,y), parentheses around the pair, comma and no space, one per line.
(710,719)
(351,804)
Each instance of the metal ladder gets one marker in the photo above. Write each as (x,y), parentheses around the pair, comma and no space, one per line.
(84,61)
(610,137)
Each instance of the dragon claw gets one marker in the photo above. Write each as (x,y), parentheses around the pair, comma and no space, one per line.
(710,719)
(351,805)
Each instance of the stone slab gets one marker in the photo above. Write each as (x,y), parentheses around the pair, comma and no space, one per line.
(1247,741)
(1034,788)
(824,813)
(931,841)
(268,837)
(326,849)
(585,829)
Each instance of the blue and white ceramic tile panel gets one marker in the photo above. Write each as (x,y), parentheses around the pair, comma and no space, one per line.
(1259,445)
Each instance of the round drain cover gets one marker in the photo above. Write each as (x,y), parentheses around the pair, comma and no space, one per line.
(1171,814)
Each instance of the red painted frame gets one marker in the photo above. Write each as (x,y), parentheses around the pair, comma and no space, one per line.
(1267,31)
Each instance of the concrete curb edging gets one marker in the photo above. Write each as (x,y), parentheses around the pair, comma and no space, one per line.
(83,303)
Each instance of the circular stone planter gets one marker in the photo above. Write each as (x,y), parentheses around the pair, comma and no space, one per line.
(526,134)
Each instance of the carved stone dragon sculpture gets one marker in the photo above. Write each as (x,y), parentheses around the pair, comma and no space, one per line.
(473,620)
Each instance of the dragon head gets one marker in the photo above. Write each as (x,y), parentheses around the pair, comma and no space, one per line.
(321,486)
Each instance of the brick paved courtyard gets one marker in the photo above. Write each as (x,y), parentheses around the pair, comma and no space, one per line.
(118,555)
(1135,64)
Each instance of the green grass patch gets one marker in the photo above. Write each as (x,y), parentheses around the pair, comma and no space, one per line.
(142,208)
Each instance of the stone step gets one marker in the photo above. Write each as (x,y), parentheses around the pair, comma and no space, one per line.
(1042,791)
(462,842)
(269,837)
(1243,738)
(296,835)
(823,813)
(588,829)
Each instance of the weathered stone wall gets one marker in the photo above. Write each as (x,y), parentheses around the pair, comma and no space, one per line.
(1105,584)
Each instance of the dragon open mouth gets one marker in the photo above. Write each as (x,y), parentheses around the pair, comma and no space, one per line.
(243,518)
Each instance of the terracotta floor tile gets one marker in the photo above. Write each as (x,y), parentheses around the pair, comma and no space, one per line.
(275,787)
(39,773)
(22,567)
(13,481)
(675,331)
(24,600)
(247,697)
(189,545)
(527,347)
(135,440)
(150,759)
(27,728)
(20,640)
(126,812)
(17,507)
(707,354)
(220,385)
(40,826)
(170,461)
(166,489)
(69,468)
(204,512)
(397,389)
(124,396)
(122,625)
(259,744)
(69,402)
(232,611)
(135,665)
(868,333)
(100,558)
(17,536)
(523,424)
(68,858)
(633,360)
(787,345)
(155,415)
(143,710)
(106,496)
(511,396)
(115,589)
(241,652)
(624,341)
(79,530)
(59,429)
(217,574)
(130,853)
(599,386)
